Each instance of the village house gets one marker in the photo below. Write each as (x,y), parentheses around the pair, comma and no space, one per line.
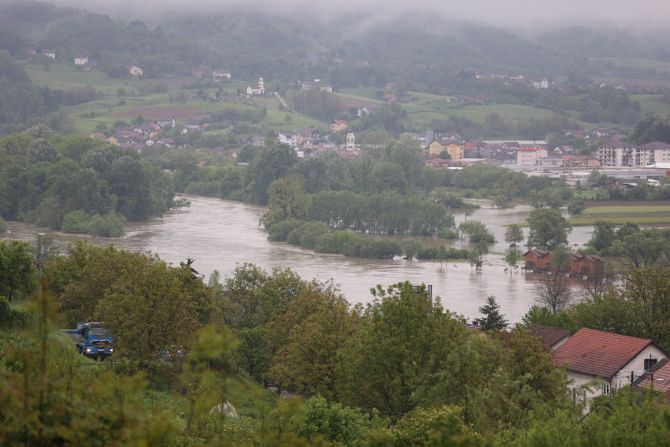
(598,363)
(316,84)
(581,161)
(586,265)
(435,149)
(289,138)
(258,90)
(542,84)
(338,126)
(537,260)
(656,379)
(552,337)
(163,124)
(49,53)
(579,265)
(528,157)
(351,142)
(221,75)
(198,73)
(136,71)
(81,61)
(455,151)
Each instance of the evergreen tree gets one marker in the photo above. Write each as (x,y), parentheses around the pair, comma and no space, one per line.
(492,319)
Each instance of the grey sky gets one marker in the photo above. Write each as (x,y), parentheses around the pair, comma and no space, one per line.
(500,12)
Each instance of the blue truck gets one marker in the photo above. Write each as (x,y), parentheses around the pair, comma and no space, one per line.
(92,340)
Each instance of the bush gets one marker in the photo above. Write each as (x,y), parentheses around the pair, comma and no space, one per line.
(76,222)
(3,226)
(442,253)
(410,248)
(448,233)
(110,225)
(310,234)
(12,318)
(293,237)
(281,230)
(335,242)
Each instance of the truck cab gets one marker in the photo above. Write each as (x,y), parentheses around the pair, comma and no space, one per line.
(94,340)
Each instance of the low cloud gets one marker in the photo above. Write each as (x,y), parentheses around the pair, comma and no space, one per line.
(505,13)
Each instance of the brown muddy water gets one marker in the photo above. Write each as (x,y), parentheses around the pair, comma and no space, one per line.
(220,234)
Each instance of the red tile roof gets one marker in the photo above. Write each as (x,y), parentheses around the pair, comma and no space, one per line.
(549,335)
(597,353)
(661,379)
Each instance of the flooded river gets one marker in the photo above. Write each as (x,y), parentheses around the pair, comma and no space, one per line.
(220,234)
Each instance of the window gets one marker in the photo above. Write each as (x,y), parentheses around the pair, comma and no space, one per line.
(649,363)
(606,388)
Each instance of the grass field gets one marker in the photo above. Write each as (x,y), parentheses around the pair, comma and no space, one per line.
(654,214)
(424,108)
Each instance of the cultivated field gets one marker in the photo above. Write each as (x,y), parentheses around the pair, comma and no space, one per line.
(641,213)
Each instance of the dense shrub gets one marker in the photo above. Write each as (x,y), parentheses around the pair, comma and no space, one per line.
(110,225)
(76,222)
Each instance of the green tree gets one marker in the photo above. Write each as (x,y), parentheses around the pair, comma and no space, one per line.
(547,229)
(287,200)
(441,426)
(17,270)
(492,319)
(254,297)
(270,165)
(337,423)
(306,359)
(405,338)
(149,312)
(603,235)
(513,235)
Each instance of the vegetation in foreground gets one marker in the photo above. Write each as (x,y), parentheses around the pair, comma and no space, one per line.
(399,371)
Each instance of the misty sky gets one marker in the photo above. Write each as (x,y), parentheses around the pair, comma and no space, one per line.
(499,12)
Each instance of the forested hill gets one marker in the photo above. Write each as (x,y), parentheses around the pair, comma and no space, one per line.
(250,43)
(21,103)
(427,53)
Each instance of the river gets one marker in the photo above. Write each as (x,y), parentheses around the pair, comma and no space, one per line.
(220,234)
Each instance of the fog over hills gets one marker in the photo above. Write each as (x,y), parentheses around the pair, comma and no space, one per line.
(510,13)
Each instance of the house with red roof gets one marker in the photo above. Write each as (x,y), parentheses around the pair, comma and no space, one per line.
(598,363)
(537,260)
(656,379)
(552,337)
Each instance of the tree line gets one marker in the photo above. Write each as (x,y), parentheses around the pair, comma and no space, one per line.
(77,184)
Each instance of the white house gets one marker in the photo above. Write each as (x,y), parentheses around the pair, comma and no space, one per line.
(599,363)
(542,84)
(529,157)
(136,71)
(289,138)
(351,141)
(221,75)
(258,90)
(50,54)
(81,61)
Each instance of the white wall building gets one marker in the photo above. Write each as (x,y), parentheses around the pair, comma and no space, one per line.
(622,155)
(259,90)
(599,363)
(81,61)
(528,157)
